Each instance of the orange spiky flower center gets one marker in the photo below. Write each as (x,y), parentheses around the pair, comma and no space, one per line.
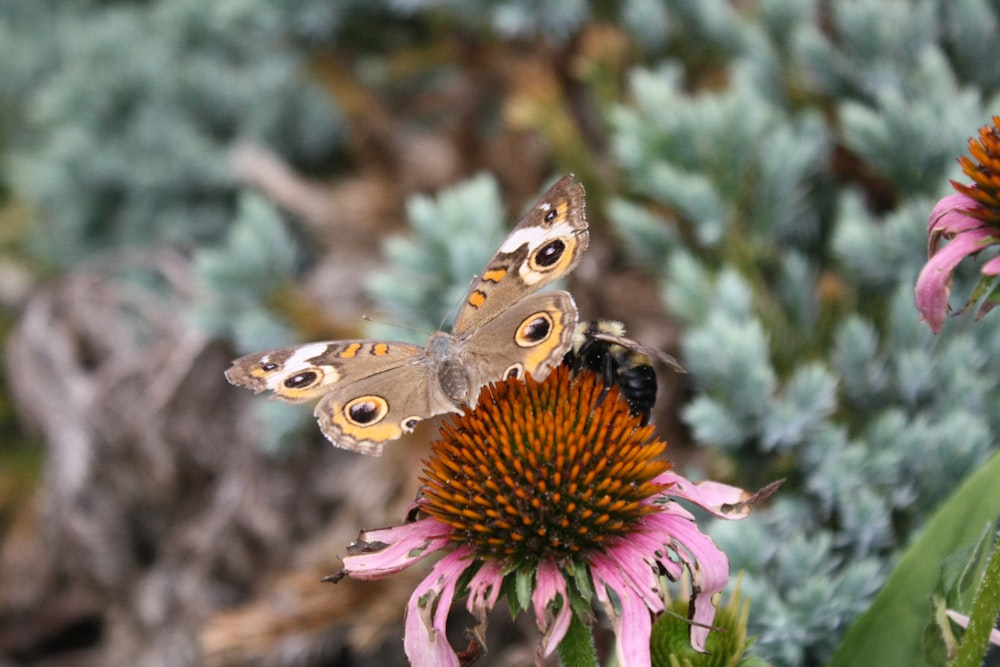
(544,470)
(984,170)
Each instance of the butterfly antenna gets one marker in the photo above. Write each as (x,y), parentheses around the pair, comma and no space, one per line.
(368,318)
(450,314)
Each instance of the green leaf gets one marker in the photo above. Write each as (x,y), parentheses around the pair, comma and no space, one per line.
(982,616)
(961,574)
(581,581)
(891,631)
(987,289)
(523,586)
(577,648)
(962,571)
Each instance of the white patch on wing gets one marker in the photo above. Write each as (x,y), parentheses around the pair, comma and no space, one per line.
(297,362)
(535,237)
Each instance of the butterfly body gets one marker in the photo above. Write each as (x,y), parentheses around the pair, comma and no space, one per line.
(372,392)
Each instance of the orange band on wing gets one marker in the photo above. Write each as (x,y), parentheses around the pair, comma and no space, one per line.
(379,349)
(494,275)
(477,298)
(350,351)
(543,354)
(378,433)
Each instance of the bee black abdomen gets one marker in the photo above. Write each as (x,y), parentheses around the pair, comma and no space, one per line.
(632,372)
(638,385)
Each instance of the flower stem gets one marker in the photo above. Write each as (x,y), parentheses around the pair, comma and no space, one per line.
(985,609)
(577,648)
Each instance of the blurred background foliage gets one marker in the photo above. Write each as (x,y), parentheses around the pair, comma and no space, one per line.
(182,182)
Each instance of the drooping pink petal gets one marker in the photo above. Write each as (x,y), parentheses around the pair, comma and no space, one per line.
(952,202)
(484,589)
(404,545)
(485,586)
(550,590)
(702,610)
(934,282)
(992,267)
(709,569)
(722,500)
(634,568)
(630,617)
(425,641)
(632,644)
(950,216)
(651,541)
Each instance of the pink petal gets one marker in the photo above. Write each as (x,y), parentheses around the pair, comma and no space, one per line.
(709,569)
(934,282)
(632,623)
(633,632)
(713,566)
(406,544)
(992,267)
(950,216)
(425,641)
(952,202)
(485,586)
(963,621)
(634,570)
(722,500)
(550,588)
(484,589)
(702,613)
(651,542)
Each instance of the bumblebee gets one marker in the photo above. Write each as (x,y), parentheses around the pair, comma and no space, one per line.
(600,346)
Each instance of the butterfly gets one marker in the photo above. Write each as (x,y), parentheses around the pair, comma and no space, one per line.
(372,392)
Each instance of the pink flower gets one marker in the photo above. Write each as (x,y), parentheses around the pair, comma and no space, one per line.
(951,219)
(970,220)
(554,495)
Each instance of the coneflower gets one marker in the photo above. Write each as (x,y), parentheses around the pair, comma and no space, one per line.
(970,220)
(552,494)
